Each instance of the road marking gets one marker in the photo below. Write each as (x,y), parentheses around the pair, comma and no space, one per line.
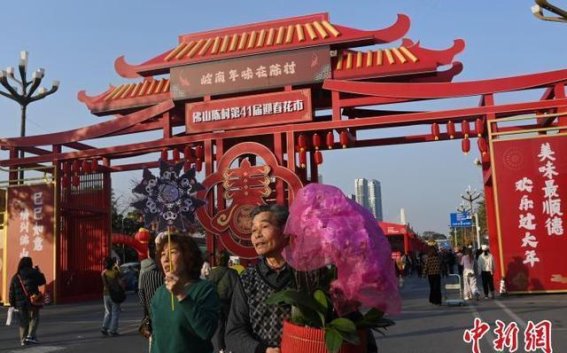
(510,313)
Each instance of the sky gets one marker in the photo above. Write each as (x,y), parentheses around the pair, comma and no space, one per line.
(77,42)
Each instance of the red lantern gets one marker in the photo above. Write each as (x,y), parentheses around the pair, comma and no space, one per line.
(451,129)
(482,145)
(65,181)
(199,165)
(67,167)
(199,152)
(76,167)
(143,235)
(95,166)
(465,128)
(302,142)
(302,158)
(186,166)
(330,140)
(318,157)
(435,131)
(87,166)
(466,145)
(76,180)
(188,153)
(479,125)
(176,155)
(344,139)
(316,141)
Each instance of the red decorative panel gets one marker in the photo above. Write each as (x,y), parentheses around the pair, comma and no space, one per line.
(251,73)
(30,231)
(531,191)
(244,112)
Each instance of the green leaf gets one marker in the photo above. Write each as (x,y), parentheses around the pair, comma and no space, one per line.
(373,315)
(308,306)
(342,324)
(333,340)
(321,298)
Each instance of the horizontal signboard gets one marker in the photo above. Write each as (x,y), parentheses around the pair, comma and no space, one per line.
(251,73)
(243,112)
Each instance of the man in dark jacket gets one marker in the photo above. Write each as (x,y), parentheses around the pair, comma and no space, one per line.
(24,284)
(224,278)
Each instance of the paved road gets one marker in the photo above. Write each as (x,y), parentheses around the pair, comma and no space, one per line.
(426,328)
(420,328)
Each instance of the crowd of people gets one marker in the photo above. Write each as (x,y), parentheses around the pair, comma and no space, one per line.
(190,306)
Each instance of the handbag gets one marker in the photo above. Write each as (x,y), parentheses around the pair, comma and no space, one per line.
(115,290)
(145,328)
(37,299)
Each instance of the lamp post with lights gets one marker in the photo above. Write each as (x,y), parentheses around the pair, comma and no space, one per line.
(24,92)
(470,196)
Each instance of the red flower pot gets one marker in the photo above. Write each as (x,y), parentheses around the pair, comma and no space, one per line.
(302,339)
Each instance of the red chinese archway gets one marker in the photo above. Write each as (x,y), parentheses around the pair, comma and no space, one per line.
(258,106)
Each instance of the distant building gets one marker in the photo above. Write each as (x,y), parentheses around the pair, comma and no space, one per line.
(368,193)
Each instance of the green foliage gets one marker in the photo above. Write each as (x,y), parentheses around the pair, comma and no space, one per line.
(314,309)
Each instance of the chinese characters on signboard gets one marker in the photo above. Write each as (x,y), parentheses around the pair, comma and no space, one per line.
(252,73)
(244,112)
(30,228)
(531,178)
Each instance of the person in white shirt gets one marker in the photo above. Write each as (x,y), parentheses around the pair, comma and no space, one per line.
(469,276)
(486,267)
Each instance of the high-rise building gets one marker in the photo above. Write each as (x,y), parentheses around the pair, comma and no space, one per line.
(368,193)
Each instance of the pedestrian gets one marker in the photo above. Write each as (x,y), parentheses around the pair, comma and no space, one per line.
(151,278)
(111,281)
(224,279)
(184,310)
(432,270)
(486,267)
(254,326)
(25,284)
(468,263)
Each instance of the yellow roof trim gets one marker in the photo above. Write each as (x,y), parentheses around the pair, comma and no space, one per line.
(251,40)
(289,36)
(280,36)
(261,38)
(310,31)
(389,56)
(379,58)
(175,51)
(409,54)
(399,55)
(270,39)
(243,40)
(224,44)
(216,45)
(206,46)
(320,29)
(331,28)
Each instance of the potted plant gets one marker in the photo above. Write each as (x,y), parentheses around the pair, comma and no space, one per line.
(343,263)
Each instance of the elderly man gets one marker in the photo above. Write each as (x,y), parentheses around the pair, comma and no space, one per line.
(253,326)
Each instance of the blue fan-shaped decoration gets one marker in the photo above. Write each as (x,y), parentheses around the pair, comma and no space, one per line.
(168,200)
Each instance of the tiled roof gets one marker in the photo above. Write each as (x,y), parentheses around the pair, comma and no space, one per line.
(285,34)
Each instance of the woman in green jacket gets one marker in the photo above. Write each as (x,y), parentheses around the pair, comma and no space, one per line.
(185,310)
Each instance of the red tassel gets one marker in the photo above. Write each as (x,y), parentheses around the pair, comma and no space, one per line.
(318,157)
(316,141)
(199,165)
(435,131)
(164,155)
(65,181)
(451,129)
(176,155)
(186,166)
(96,166)
(482,145)
(330,140)
(67,167)
(188,153)
(344,139)
(479,125)
(465,128)
(466,145)
(302,159)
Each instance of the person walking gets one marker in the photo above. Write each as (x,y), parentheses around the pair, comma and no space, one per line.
(486,267)
(24,284)
(224,278)
(469,274)
(151,278)
(185,309)
(110,277)
(432,270)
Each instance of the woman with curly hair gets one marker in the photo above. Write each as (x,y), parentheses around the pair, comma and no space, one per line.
(185,309)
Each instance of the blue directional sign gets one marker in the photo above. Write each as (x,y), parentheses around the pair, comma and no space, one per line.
(461,219)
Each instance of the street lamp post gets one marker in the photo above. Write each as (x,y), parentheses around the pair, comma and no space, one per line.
(24,92)
(470,196)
